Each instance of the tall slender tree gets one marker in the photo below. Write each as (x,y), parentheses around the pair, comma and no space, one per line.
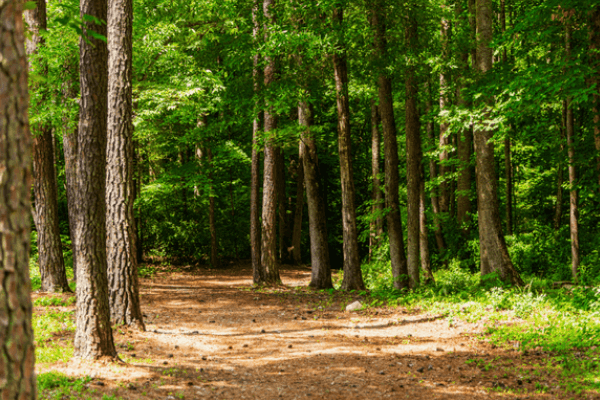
(494,255)
(352,274)
(255,241)
(120,192)
(269,261)
(595,57)
(93,336)
(386,110)
(52,264)
(17,375)
(376,225)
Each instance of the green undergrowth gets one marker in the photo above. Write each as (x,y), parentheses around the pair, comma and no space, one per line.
(53,332)
(56,386)
(563,323)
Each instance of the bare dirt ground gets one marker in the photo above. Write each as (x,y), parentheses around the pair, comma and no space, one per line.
(211,336)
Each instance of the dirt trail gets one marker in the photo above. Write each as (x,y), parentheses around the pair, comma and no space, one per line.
(210,336)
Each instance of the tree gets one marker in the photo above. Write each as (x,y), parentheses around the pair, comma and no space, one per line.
(269,262)
(377,195)
(413,151)
(52,264)
(16,335)
(352,274)
(120,192)
(493,251)
(255,241)
(386,110)
(93,336)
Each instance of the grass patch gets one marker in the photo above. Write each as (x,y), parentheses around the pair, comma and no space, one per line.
(57,386)
(54,301)
(52,332)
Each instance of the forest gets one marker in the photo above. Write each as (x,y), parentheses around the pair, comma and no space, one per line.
(365,198)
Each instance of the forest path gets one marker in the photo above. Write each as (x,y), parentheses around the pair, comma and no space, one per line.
(211,336)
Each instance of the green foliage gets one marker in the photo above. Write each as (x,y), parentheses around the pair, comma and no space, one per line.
(57,386)
(48,326)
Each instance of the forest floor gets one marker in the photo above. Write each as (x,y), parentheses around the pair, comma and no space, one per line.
(211,335)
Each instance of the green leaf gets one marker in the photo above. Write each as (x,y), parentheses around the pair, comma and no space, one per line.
(30,5)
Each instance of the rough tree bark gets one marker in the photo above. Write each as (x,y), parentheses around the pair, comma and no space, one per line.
(93,336)
(121,250)
(353,279)
(413,155)
(319,248)
(573,206)
(269,262)
(255,167)
(392,179)
(17,376)
(493,250)
(376,225)
(51,261)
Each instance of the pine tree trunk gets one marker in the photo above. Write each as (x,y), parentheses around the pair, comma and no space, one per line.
(424,235)
(297,232)
(413,157)
(352,273)
(51,261)
(386,111)
(269,262)
(120,193)
(573,206)
(435,205)
(595,56)
(376,225)
(445,169)
(93,336)
(255,241)
(493,251)
(281,205)
(507,145)
(214,257)
(17,375)
(319,248)
(464,146)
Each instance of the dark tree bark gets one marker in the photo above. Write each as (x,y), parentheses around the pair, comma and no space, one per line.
(493,250)
(392,180)
(507,145)
(120,193)
(435,205)
(93,337)
(17,374)
(573,202)
(51,261)
(269,262)
(376,225)
(255,242)
(319,248)
(214,257)
(297,232)
(445,169)
(353,279)
(413,156)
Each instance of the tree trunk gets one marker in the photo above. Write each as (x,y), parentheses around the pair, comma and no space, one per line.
(435,205)
(573,206)
(297,233)
(281,205)
(386,111)
(93,337)
(558,209)
(464,146)
(255,167)
(352,273)
(214,257)
(493,250)
(51,261)
(445,169)
(424,235)
(319,248)
(595,56)
(413,157)
(376,225)
(507,145)
(120,193)
(269,262)
(16,336)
